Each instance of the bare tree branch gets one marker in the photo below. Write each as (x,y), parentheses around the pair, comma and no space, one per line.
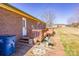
(49,16)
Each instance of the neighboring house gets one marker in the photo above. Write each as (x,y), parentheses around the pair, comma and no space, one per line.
(54,26)
(61,25)
(16,22)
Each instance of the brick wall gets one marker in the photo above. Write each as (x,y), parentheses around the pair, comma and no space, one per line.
(11,24)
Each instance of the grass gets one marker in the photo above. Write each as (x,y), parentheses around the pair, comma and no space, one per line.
(70,40)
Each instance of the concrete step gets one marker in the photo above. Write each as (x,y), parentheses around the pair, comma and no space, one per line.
(23,41)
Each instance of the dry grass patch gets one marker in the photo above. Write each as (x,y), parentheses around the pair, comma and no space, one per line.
(70,40)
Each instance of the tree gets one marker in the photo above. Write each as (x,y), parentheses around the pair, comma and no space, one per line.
(49,16)
(74,21)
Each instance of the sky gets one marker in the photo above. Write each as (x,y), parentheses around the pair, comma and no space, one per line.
(62,11)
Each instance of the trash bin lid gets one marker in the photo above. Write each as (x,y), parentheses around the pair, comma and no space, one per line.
(6,35)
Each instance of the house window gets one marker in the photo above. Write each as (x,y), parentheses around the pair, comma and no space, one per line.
(33,27)
(24,26)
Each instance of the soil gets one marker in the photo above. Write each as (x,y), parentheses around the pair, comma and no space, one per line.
(56,50)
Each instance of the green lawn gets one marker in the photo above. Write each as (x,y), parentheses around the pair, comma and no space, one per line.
(70,40)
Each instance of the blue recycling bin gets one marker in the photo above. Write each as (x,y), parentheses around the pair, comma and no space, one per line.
(7,44)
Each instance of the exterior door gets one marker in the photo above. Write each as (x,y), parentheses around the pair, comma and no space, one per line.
(24,27)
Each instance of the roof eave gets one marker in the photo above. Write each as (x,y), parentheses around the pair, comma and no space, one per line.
(20,12)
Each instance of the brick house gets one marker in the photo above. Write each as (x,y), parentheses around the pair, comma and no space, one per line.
(16,22)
